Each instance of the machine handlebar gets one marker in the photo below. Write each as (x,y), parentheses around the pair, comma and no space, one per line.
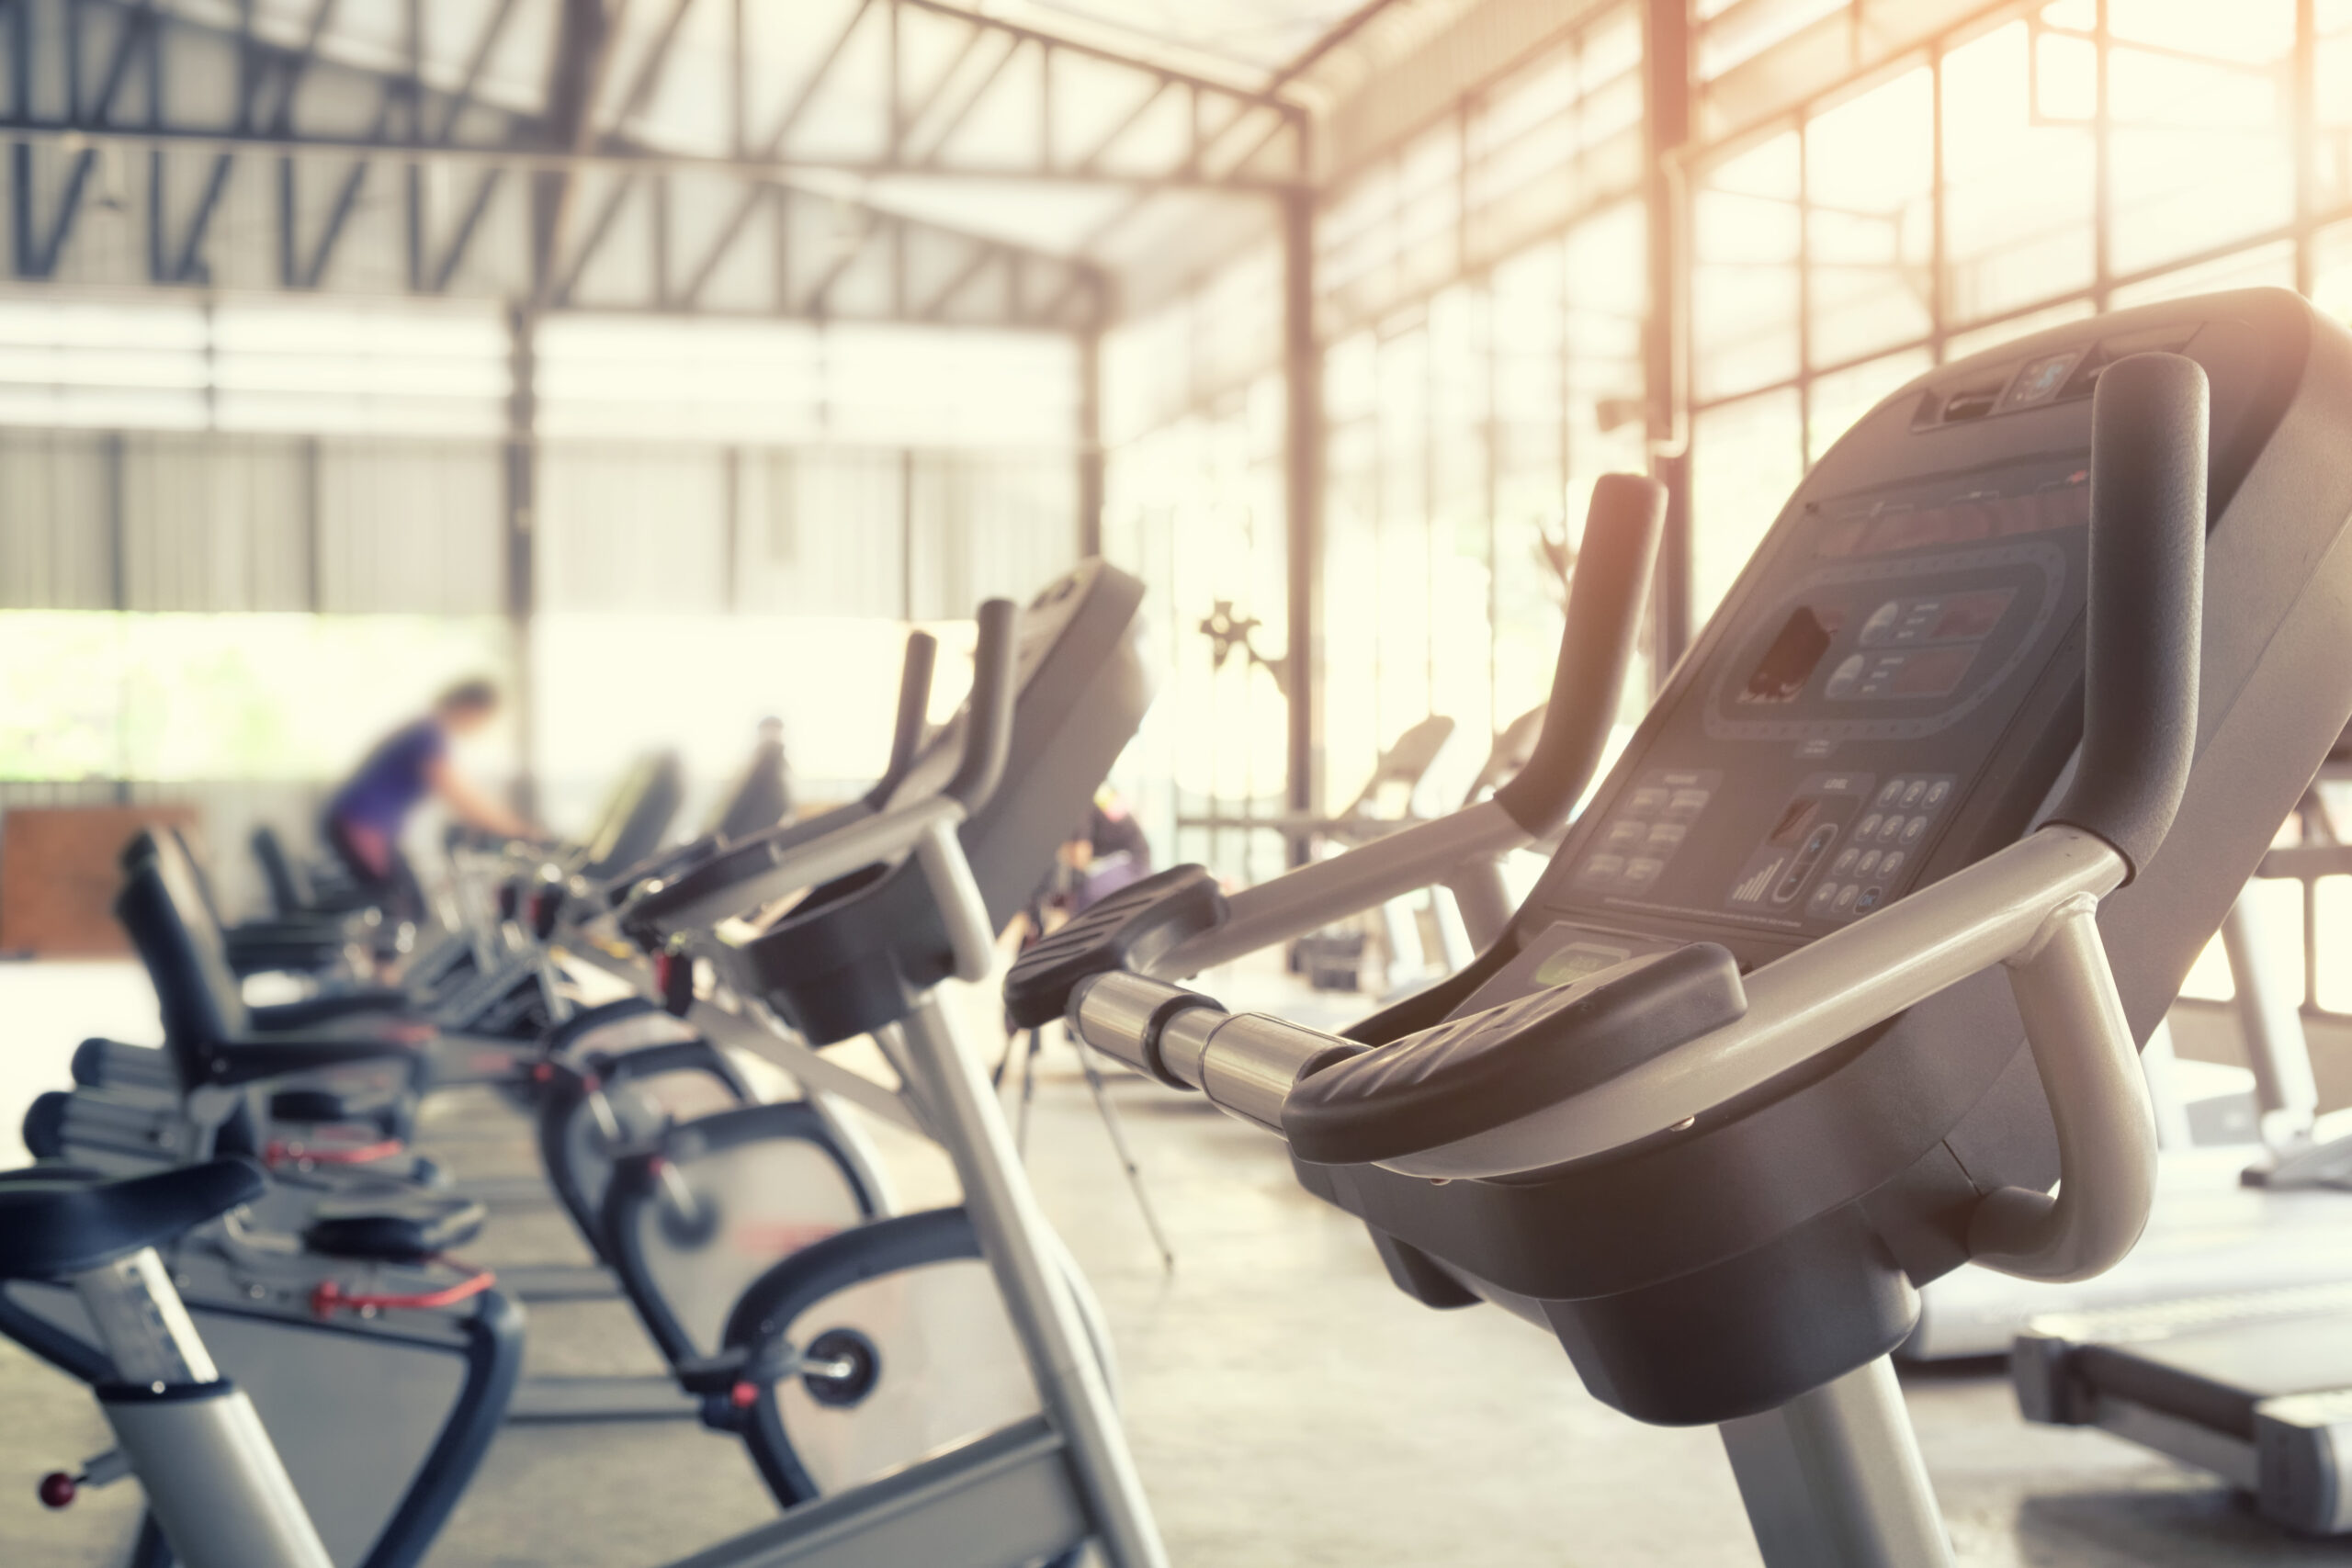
(1605,603)
(2149,432)
(914,707)
(988,726)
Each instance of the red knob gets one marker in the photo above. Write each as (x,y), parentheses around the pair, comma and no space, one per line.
(57,1489)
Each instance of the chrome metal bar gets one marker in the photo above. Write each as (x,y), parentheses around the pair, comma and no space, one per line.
(2106,1127)
(1314,895)
(142,1324)
(810,1068)
(941,854)
(1015,1238)
(214,1482)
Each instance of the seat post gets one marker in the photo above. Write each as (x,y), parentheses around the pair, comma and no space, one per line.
(1833,1479)
(214,1480)
(969,1124)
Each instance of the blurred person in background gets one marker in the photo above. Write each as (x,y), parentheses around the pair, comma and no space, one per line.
(1110,854)
(367,817)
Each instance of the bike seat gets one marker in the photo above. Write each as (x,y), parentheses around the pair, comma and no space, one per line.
(401,1227)
(54,1225)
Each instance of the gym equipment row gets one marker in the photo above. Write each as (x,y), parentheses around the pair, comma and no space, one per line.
(1836,986)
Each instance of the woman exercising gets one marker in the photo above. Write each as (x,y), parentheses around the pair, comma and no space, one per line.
(366,816)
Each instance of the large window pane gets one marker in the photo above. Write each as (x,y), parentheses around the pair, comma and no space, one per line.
(1870,222)
(2019,178)
(1744,285)
(1745,458)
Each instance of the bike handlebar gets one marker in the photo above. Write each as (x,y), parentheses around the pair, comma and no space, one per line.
(2149,430)
(1605,603)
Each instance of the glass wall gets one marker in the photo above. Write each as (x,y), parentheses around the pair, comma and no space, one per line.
(2036,166)
(1480,294)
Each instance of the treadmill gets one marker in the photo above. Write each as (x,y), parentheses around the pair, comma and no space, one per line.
(1822,996)
(2254,1384)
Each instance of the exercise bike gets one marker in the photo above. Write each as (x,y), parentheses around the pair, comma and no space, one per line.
(1965,771)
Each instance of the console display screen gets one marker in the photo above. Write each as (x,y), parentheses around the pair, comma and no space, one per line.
(1969,519)
(1789,662)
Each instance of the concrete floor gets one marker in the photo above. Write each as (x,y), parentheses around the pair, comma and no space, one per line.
(1288,1408)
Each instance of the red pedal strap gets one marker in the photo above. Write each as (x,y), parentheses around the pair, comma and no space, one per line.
(330,1297)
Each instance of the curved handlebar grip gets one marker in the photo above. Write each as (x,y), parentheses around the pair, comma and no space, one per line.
(1610,590)
(2148,603)
(988,714)
(914,708)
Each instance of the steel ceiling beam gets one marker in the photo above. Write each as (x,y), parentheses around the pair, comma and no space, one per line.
(491,159)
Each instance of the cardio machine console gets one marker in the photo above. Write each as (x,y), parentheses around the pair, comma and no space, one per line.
(851,955)
(1892,686)
(1891,691)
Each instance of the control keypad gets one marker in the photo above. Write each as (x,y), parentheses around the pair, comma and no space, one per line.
(1884,844)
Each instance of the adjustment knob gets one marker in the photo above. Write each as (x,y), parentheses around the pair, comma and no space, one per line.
(57,1489)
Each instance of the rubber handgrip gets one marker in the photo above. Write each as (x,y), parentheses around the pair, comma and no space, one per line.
(1606,598)
(915,710)
(988,714)
(2147,602)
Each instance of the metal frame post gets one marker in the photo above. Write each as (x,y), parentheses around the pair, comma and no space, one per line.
(1030,1274)
(522,485)
(1833,1479)
(1668,126)
(1303,503)
(1089,443)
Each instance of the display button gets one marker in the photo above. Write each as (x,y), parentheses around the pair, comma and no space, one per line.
(1938,791)
(1688,803)
(1893,864)
(1604,868)
(1665,837)
(1845,861)
(1913,828)
(1869,863)
(1869,826)
(1627,832)
(1846,896)
(1869,899)
(1642,870)
(1913,791)
(1647,800)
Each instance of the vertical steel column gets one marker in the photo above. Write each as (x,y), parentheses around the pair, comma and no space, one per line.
(2306,121)
(1302,502)
(2103,170)
(118,521)
(731,585)
(906,535)
(1667,85)
(522,485)
(1089,443)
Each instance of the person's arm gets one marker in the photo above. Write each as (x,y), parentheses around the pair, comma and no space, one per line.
(470,805)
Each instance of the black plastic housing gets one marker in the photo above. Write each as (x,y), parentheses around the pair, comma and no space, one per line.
(855,953)
(1723,1269)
